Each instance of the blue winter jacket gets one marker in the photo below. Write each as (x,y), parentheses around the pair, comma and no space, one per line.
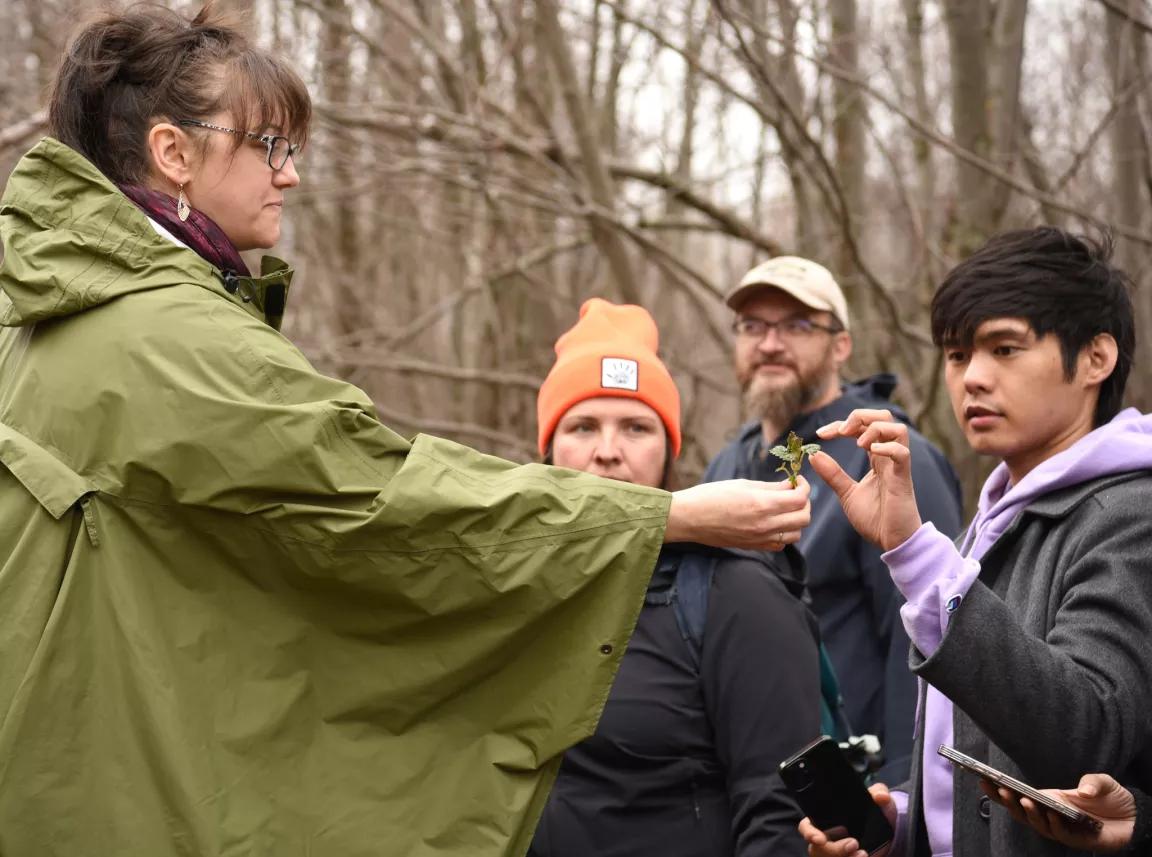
(853,597)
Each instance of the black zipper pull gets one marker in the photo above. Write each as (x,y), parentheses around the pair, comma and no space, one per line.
(232,286)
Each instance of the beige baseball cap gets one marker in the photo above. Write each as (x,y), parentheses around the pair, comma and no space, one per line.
(811,284)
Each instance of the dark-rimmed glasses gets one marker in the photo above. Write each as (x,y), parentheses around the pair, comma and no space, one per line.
(790,329)
(279,148)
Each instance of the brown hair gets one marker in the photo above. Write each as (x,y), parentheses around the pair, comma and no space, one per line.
(125,70)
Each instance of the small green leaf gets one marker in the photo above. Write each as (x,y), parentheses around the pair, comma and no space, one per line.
(793,455)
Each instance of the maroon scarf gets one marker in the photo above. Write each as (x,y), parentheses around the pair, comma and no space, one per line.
(199,231)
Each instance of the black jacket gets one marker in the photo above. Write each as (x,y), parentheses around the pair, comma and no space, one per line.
(684,762)
(1141,844)
(853,597)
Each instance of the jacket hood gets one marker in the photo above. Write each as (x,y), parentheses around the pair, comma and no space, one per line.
(1120,446)
(876,390)
(73,241)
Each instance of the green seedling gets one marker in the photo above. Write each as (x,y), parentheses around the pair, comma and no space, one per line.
(793,455)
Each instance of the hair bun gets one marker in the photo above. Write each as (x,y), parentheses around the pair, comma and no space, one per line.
(126,69)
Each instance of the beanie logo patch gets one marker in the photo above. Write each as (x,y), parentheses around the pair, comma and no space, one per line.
(619,373)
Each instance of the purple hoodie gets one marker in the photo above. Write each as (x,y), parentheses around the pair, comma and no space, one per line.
(934,577)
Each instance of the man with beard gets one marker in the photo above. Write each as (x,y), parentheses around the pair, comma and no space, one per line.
(792,339)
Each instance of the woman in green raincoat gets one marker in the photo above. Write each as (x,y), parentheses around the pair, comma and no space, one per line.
(238,615)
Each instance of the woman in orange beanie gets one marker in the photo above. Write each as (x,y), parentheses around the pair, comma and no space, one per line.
(720,681)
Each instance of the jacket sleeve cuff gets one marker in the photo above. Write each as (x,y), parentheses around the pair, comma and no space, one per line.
(934,578)
(1141,842)
(900,800)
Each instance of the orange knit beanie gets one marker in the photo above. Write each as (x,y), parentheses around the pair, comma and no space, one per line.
(611,351)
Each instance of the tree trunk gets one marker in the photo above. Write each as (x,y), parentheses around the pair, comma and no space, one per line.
(848,128)
(1008,60)
(1129,179)
(1128,172)
(967,23)
(599,182)
(922,150)
(345,264)
(609,102)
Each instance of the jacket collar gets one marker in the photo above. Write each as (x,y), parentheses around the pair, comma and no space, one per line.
(1060,504)
(264,297)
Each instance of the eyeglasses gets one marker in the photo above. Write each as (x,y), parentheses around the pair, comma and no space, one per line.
(279,148)
(789,330)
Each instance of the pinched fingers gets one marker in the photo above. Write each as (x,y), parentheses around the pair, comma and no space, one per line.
(883,432)
(855,424)
(899,454)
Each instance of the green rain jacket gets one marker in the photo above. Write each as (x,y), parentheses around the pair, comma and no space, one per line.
(238,615)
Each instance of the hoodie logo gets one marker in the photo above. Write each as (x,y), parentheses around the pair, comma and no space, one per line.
(619,373)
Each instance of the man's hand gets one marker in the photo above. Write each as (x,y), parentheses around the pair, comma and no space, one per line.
(740,513)
(882,505)
(1098,795)
(820,845)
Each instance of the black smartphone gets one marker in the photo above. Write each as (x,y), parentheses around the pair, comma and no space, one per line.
(834,797)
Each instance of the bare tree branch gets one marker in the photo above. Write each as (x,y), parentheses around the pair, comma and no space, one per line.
(1115,7)
(728,222)
(922,128)
(832,189)
(388,361)
(434,124)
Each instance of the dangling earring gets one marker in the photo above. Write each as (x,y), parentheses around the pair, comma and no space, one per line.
(183,209)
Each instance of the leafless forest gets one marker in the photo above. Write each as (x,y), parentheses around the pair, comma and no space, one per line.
(478,168)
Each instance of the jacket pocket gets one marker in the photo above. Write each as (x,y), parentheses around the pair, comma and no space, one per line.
(712,825)
(55,485)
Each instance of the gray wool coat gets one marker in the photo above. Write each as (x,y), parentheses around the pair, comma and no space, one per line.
(1048,661)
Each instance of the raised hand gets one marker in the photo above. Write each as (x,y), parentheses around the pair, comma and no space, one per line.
(882,505)
(740,513)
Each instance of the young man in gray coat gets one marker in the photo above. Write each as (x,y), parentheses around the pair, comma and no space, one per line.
(1032,637)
